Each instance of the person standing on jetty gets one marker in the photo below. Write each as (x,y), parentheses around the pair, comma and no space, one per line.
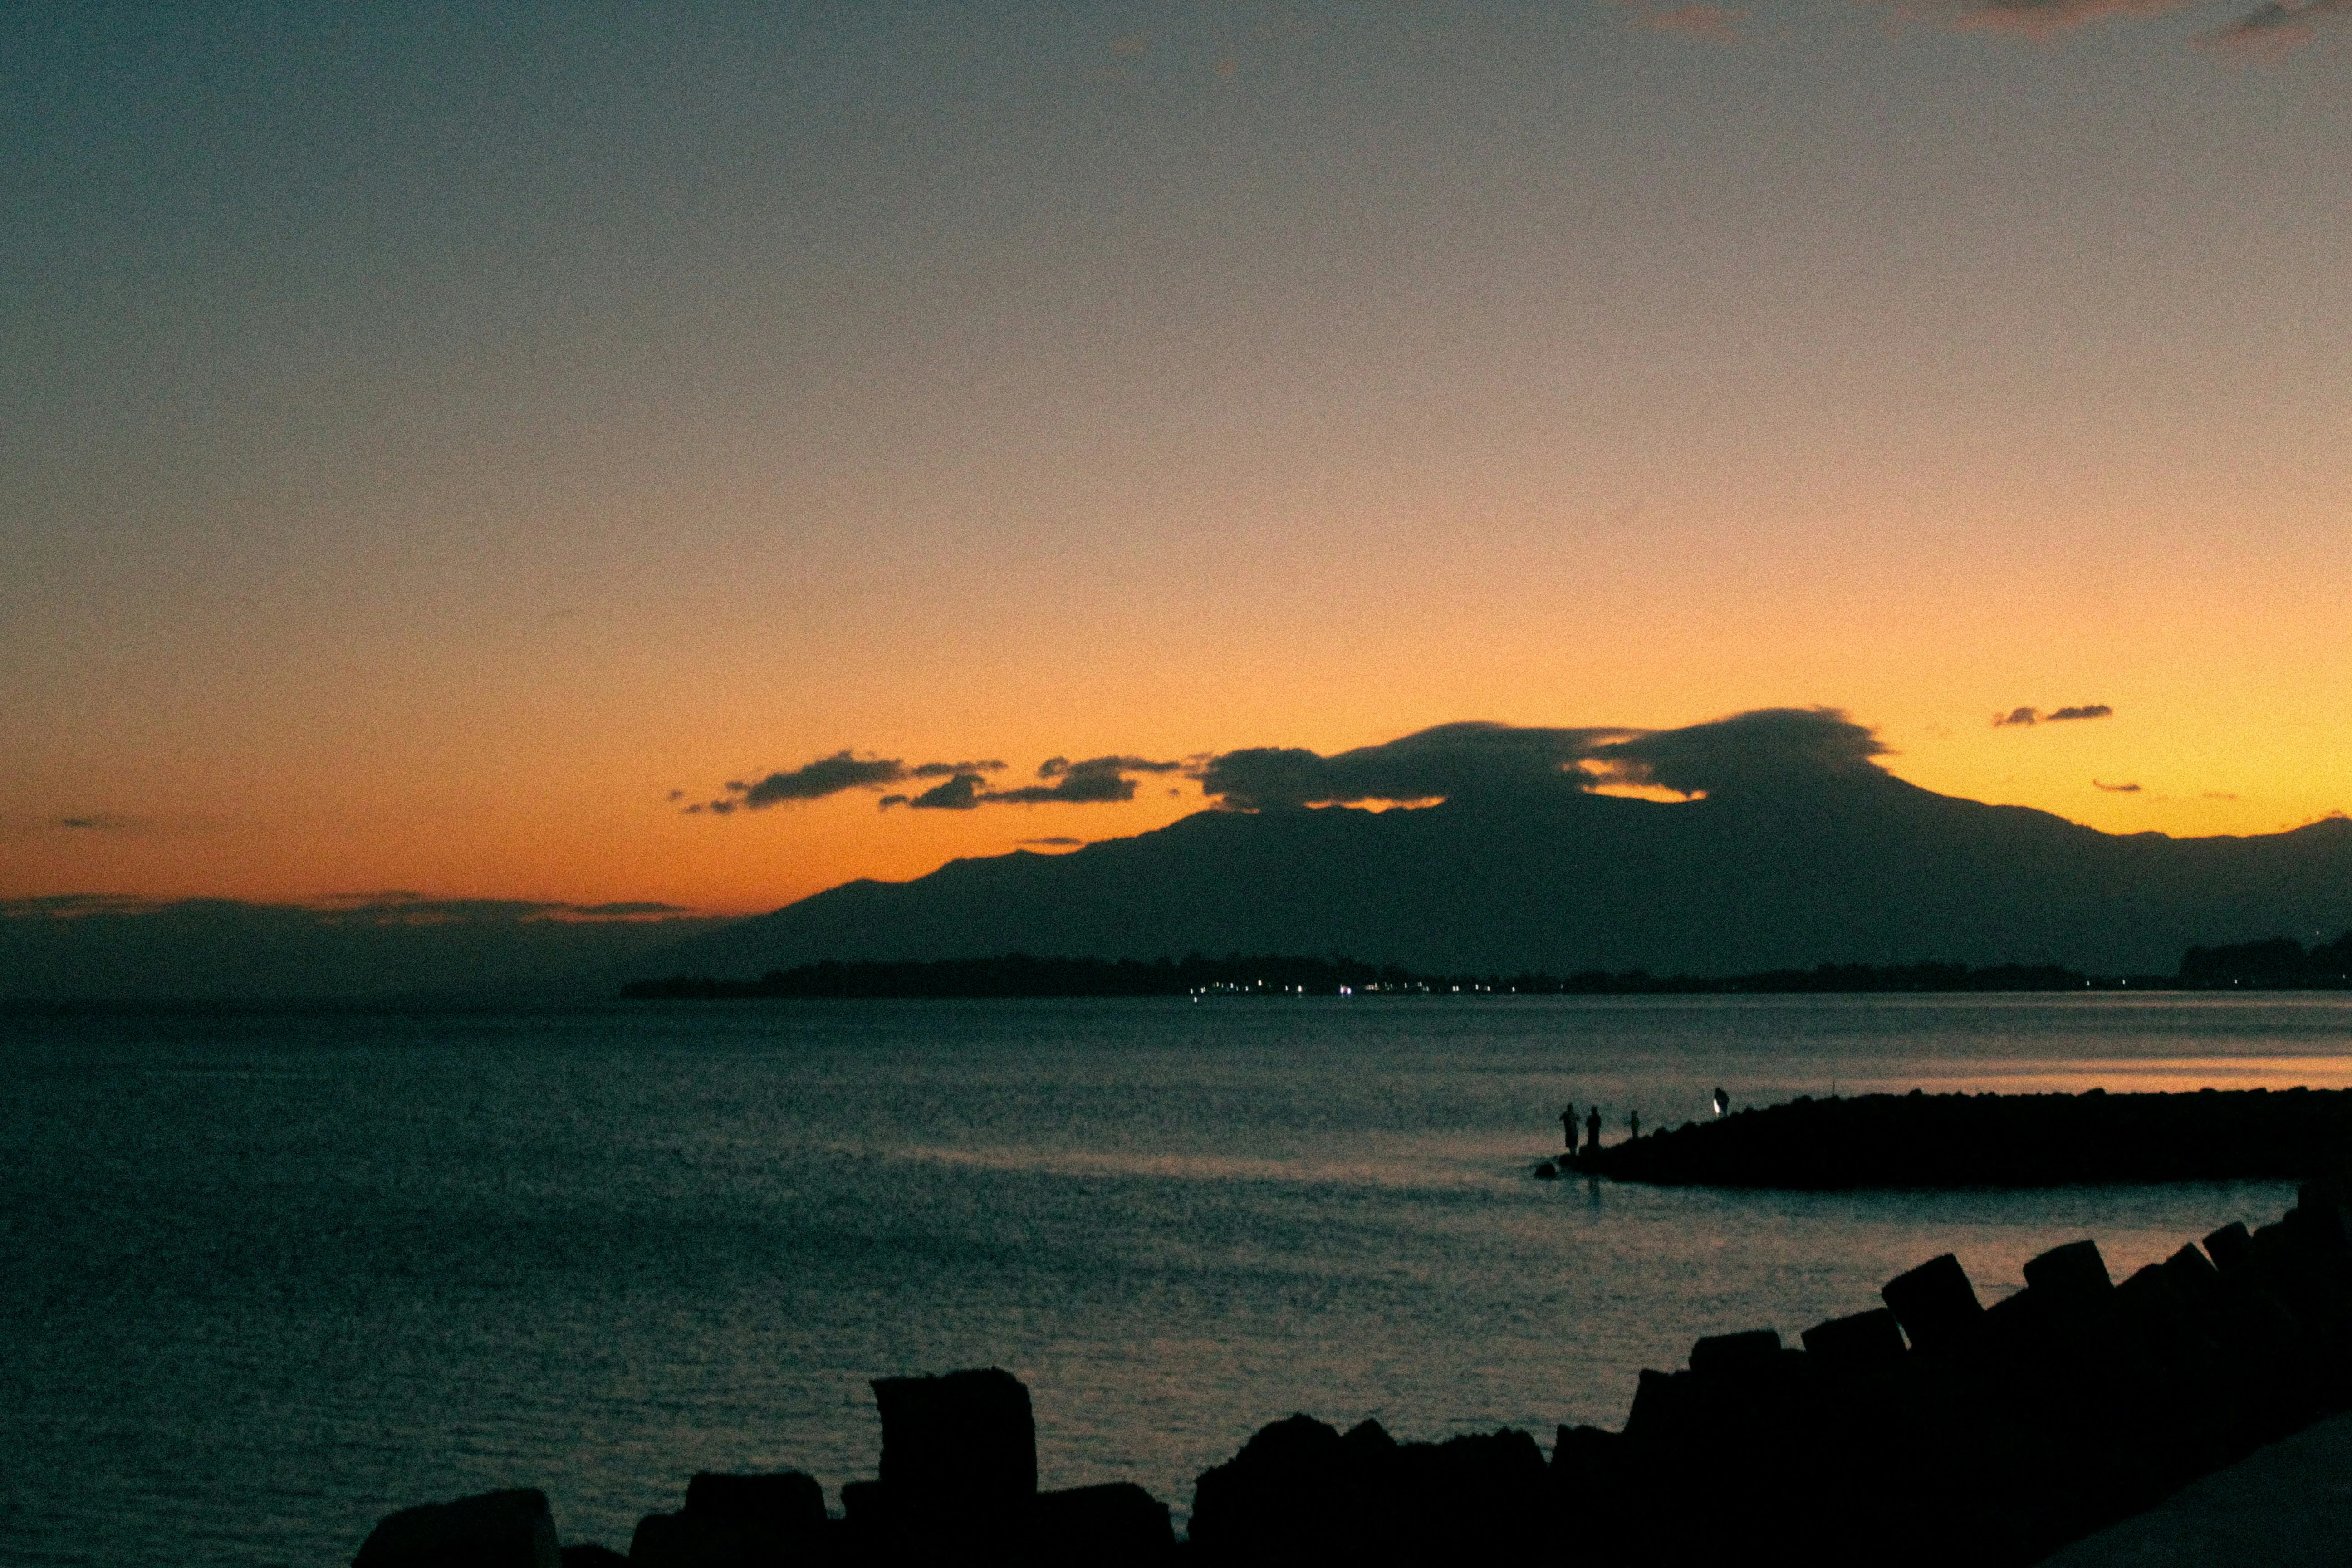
(1634,1125)
(1592,1129)
(1567,1128)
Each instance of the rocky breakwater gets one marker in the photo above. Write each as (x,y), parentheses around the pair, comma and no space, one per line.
(1994,1140)
(1930,1430)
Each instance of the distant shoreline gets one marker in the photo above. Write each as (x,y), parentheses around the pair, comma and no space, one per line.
(2277,964)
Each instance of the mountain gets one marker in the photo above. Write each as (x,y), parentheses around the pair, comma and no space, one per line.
(1783,867)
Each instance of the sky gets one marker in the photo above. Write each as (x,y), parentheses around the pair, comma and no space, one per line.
(441,447)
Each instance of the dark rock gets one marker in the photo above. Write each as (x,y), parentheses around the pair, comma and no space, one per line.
(1660,1402)
(2230,1246)
(2070,1277)
(588,1554)
(1589,1480)
(1935,1304)
(492,1529)
(781,1510)
(1119,1523)
(959,1452)
(1366,1446)
(1733,1354)
(694,1540)
(1286,1495)
(1470,1498)
(1866,1340)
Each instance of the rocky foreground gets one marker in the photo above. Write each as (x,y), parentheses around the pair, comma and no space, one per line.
(1931,1430)
(1995,1141)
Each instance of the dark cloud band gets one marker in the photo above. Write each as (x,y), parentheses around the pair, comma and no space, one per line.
(2024,717)
(845,769)
(1095,782)
(1467,761)
(1764,749)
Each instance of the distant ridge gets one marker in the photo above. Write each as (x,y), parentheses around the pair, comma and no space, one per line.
(1785,870)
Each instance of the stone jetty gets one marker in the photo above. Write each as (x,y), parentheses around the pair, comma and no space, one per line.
(1930,1429)
(1919,1140)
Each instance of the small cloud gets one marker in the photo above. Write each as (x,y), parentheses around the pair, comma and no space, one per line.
(2029,716)
(637,907)
(2278,27)
(1095,781)
(1716,24)
(950,769)
(826,775)
(961,792)
(2217,794)
(2116,789)
(674,796)
(95,822)
(845,769)
(1058,841)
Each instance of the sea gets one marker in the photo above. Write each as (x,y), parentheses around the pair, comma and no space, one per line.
(269,1273)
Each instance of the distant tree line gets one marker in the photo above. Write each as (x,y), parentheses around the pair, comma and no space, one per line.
(2281,963)
(1021,974)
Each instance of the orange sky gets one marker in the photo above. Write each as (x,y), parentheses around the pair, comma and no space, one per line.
(419,496)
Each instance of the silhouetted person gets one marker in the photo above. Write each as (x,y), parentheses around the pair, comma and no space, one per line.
(1567,1126)
(1722,1100)
(1592,1129)
(1634,1125)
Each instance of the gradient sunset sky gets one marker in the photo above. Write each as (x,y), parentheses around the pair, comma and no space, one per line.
(439,444)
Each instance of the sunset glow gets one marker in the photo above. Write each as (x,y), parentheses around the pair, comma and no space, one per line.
(416,496)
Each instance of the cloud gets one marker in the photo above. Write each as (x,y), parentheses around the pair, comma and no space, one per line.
(1765,748)
(961,792)
(1094,782)
(2279,26)
(845,769)
(2029,716)
(1440,764)
(1059,841)
(2116,789)
(826,775)
(2218,794)
(1475,759)
(1713,23)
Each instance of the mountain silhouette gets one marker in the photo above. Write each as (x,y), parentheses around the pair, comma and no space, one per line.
(1796,854)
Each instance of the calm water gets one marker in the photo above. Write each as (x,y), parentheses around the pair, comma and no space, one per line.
(265,1275)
